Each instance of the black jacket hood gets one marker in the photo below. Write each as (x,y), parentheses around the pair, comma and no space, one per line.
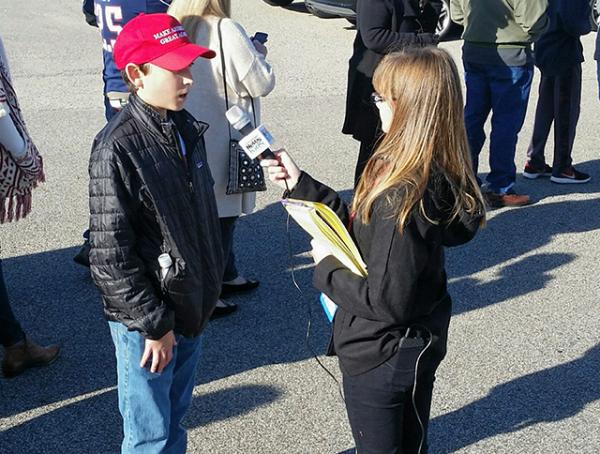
(438,203)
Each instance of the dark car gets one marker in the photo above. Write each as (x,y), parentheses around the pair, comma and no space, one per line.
(332,8)
(446,29)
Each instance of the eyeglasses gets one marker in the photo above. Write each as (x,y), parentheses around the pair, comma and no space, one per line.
(376,98)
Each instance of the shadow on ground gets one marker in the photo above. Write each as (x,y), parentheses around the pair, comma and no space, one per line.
(91,425)
(56,301)
(545,396)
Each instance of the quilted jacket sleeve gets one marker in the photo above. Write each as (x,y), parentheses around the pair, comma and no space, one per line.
(116,268)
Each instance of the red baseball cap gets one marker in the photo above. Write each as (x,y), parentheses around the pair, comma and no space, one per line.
(158,39)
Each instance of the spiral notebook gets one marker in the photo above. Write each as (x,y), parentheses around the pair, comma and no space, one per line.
(321,222)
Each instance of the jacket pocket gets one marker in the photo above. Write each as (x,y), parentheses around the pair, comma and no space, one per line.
(406,355)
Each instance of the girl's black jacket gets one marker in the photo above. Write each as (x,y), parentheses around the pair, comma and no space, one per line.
(406,283)
(146,199)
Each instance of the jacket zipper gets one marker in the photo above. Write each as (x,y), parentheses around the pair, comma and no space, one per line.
(183,158)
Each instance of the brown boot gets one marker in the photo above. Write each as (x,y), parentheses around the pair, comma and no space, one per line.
(510,199)
(26,354)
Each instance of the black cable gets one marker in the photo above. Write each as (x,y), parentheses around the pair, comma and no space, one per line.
(414,390)
(309,309)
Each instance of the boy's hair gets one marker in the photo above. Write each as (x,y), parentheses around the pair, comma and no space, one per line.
(132,88)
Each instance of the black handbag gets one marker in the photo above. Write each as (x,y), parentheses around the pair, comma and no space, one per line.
(245,174)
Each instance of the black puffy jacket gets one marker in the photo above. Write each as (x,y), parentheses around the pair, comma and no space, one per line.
(146,199)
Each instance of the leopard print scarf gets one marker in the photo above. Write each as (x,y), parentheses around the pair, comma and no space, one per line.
(17,177)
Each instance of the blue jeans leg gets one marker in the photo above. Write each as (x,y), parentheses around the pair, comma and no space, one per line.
(477,109)
(153,405)
(184,375)
(510,88)
(10,329)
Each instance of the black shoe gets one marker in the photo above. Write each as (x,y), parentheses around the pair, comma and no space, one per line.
(532,173)
(230,289)
(571,176)
(83,256)
(222,311)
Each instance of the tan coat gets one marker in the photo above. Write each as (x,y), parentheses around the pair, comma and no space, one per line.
(248,75)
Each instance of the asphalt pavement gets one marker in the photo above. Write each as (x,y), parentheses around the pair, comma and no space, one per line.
(521,375)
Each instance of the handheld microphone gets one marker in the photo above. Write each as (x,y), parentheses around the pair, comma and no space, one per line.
(256,141)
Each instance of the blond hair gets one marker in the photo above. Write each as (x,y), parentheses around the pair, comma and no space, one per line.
(191,12)
(426,135)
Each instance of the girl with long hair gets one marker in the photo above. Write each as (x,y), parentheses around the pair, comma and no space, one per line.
(383,26)
(248,76)
(418,194)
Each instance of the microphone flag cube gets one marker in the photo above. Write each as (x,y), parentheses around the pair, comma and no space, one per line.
(257,142)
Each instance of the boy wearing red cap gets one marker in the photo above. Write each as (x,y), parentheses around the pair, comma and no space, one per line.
(156,252)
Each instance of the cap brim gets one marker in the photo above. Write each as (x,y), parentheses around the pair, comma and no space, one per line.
(182,57)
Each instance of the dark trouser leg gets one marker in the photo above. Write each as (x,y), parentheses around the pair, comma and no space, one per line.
(544,116)
(227,230)
(10,329)
(380,409)
(477,109)
(567,107)
(367,147)
(510,87)
(109,110)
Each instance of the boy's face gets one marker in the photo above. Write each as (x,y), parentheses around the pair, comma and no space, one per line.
(164,89)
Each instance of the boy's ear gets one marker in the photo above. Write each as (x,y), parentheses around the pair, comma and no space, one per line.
(134,74)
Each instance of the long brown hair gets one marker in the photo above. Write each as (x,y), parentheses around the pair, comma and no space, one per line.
(191,12)
(427,133)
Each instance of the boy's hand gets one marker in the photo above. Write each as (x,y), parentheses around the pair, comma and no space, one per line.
(282,169)
(160,350)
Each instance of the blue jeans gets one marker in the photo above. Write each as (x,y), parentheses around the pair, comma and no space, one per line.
(503,90)
(153,405)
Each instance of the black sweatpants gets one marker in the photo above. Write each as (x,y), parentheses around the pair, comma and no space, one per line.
(559,102)
(380,408)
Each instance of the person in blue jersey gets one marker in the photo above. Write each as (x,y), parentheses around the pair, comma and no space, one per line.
(110,16)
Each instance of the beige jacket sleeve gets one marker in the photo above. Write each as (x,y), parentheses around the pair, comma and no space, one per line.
(532,17)
(248,72)
(457,13)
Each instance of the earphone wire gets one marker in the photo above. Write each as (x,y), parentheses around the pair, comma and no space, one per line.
(414,390)
(309,310)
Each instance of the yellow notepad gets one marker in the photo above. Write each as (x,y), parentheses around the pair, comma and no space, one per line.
(323,225)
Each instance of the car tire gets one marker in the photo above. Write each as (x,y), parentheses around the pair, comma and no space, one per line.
(279,2)
(446,29)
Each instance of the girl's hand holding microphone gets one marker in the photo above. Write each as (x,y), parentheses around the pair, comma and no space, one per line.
(282,171)
(285,173)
